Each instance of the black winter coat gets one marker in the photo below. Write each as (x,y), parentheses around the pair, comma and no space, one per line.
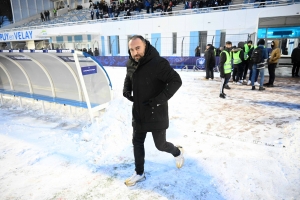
(153,82)
(296,55)
(210,58)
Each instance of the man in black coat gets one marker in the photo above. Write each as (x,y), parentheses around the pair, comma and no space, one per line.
(296,61)
(149,83)
(210,61)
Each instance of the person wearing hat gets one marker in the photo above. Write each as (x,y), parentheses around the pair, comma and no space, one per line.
(259,67)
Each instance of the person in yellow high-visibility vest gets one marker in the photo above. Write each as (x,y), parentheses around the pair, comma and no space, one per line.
(225,68)
(248,49)
(238,65)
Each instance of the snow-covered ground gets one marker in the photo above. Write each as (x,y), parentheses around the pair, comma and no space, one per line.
(243,147)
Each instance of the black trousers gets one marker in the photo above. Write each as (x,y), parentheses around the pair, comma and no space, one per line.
(295,70)
(247,65)
(234,74)
(209,72)
(161,144)
(271,69)
(224,81)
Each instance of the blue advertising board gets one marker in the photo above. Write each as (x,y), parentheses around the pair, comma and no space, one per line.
(89,70)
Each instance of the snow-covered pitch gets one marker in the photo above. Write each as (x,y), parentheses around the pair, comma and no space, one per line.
(243,147)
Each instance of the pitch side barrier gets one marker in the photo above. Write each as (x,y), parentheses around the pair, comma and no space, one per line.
(67,77)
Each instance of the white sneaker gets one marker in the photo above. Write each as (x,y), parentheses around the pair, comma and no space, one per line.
(134,179)
(239,83)
(249,82)
(245,81)
(256,83)
(179,159)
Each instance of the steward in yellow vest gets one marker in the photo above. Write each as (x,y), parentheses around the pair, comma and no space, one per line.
(238,65)
(248,49)
(225,68)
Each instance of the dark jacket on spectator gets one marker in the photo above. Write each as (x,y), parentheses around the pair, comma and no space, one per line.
(296,55)
(210,58)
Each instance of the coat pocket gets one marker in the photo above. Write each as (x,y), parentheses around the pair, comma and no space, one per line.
(156,114)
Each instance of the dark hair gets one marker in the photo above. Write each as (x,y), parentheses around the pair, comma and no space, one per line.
(209,45)
(228,42)
(261,42)
(250,41)
(138,37)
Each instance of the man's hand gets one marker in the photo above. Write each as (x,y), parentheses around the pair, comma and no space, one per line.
(150,102)
(127,94)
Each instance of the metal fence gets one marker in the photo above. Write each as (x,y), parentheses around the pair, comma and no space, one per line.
(178,46)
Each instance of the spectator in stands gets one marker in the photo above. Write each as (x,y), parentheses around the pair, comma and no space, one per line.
(262,4)
(166,3)
(198,51)
(92,14)
(101,4)
(151,5)
(42,17)
(296,61)
(97,14)
(210,61)
(48,15)
(96,52)
(90,52)
(193,4)
(201,4)
(54,12)
(190,4)
(147,5)
(110,11)
(117,12)
(169,9)
(45,15)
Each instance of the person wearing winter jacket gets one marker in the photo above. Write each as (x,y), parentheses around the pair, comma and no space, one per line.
(149,83)
(96,52)
(210,61)
(259,67)
(147,5)
(272,62)
(296,61)
(225,67)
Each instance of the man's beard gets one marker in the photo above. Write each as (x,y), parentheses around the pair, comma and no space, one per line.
(137,57)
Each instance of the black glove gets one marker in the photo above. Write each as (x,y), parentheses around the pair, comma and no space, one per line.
(222,75)
(127,94)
